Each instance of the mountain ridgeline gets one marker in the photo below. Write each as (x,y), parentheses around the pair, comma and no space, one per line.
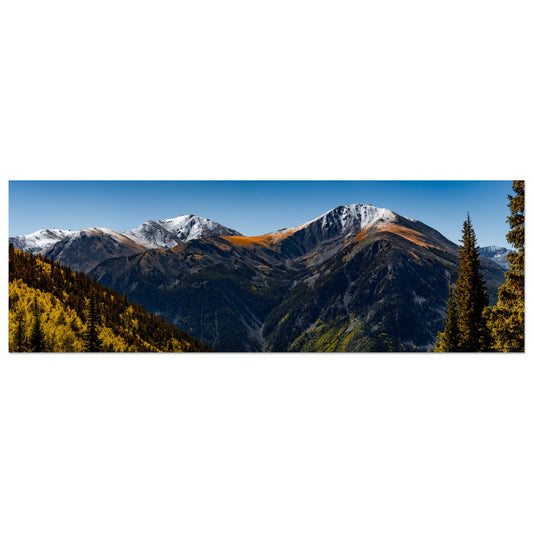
(84,249)
(53,309)
(358,278)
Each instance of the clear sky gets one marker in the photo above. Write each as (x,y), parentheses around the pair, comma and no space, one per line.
(255,207)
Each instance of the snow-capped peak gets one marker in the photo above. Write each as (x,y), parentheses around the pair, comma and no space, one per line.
(164,233)
(98,232)
(493,249)
(346,220)
(497,253)
(39,241)
(170,232)
(360,216)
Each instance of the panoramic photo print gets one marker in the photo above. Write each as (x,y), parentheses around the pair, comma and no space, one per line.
(266,266)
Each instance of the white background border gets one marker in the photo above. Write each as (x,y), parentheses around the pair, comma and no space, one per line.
(277,90)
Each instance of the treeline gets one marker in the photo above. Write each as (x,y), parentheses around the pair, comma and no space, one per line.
(470,324)
(53,309)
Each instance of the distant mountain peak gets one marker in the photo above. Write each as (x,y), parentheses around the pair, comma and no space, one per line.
(39,241)
(164,233)
(495,249)
(497,253)
(169,232)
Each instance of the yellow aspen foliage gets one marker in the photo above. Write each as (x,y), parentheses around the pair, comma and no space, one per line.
(52,309)
(112,342)
(56,321)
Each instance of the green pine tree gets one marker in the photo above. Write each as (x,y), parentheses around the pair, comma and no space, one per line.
(449,338)
(92,341)
(19,340)
(506,318)
(36,334)
(471,295)
(465,327)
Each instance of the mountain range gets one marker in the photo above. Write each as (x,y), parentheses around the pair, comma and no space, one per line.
(84,249)
(357,278)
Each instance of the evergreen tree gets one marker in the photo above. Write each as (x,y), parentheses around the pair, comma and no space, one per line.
(471,295)
(50,308)
(36,335)
(11,254)
(465,326)
(92,341)
(449,338)
(20,343)
(506,318)
(17,343)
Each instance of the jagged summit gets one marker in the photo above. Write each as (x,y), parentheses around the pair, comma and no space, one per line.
(169,232)
(357,216)
(39,241)
(348,218)
(343,220)
(497,253)
(164,233)
(45,239)
(495,249)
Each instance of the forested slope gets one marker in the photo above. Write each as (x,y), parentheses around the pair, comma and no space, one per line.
(53,309)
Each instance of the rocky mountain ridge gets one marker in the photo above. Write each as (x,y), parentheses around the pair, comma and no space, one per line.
(84,249)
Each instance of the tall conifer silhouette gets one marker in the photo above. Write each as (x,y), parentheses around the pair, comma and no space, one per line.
(506,318)
(465,326)
(36,335)
(449,338)
(92,341)
(471,295)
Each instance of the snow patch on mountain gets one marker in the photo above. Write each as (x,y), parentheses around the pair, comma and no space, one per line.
(189,227)
(102,232)
(164,234)
(345,220)
(497,253)
(170,232)
(152,235)
(362,216)
(39,241)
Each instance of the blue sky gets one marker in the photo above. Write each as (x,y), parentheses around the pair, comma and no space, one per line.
(255,207)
